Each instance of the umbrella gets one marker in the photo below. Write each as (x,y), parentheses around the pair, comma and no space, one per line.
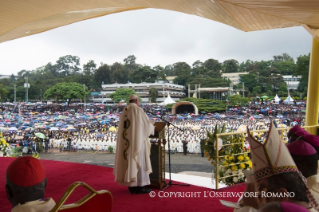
(12,129)
(100,136)
(242,128)
(265,97)
(54,129)
(112,129)
(40,135)
(282,126)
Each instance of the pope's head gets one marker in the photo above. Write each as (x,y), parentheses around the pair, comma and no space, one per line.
(134,99)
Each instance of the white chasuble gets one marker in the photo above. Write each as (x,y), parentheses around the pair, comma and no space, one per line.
(132,160)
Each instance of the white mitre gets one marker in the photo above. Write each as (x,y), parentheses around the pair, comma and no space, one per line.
(270,158)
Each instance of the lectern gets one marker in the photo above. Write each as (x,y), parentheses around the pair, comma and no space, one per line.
(158,142)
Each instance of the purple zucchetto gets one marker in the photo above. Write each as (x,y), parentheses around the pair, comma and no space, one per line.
(312,139)
(295,129)
(301,148)
(291,207)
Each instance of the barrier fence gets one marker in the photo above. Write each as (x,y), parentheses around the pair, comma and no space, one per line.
(220,159)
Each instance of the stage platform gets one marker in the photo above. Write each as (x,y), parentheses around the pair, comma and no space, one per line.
(62,174)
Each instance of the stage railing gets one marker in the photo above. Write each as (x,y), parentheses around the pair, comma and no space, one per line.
(218,158)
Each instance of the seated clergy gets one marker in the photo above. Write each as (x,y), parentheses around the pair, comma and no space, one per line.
(25,186)
(295,132)
(306,159)
(281,207)
(276,176)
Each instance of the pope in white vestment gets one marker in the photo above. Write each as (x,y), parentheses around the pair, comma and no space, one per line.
(132,160)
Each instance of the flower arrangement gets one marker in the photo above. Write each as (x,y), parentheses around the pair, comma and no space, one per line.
(4,146)
(232,156)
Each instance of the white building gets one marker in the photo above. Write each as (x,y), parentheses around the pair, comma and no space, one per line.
(176,92)
(7,76)
(234,77)
(292,81)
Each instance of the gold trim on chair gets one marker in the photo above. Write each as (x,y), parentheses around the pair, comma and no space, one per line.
(59,206)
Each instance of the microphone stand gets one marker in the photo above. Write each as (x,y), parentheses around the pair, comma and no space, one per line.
(170,183)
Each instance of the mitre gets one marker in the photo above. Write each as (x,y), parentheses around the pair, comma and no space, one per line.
(270,158)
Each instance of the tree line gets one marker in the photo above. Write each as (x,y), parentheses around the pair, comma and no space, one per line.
(265,77)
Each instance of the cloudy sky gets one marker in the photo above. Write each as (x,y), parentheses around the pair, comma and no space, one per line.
(155,37)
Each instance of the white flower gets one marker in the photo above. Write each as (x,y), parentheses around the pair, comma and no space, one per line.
(235,179)
(222,169)
(228,171)
(240,171)
(234,172)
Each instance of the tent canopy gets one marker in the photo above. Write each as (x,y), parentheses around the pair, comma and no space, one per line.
(168,100)
(289,100)
(277,99)
(20,18)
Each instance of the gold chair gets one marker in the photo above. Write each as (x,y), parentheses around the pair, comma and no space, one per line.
(97,201)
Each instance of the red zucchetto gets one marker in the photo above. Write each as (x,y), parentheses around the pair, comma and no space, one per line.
(26,171)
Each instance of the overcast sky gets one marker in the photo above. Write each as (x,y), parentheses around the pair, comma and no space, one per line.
(155,37)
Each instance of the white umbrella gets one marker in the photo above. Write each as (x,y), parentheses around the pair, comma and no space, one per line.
(282,126)
(12,129)
(242,128)
(54,129)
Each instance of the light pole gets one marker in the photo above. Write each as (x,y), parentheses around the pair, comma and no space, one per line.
(84,97)
(26,86)
(15,92)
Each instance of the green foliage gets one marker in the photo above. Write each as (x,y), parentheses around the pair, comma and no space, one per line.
(238,100)
(249,80)
(207,105)
(64,91)
(143,74)
(110,149)
(302,68)
(153,94)
(3,93)
(257,89)
(122,94)
(230,66)
(17,151)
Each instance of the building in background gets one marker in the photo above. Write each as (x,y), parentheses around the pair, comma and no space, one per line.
(234,77)
(7,76)
(292,81)
(176,92)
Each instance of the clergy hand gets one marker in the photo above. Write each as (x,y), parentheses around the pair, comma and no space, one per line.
(251,197)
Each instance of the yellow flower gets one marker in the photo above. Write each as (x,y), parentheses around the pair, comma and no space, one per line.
(247,158)
(225,163)
(240,158)
(209,158)
(234,168)
(206,153)
(242,166)
(212,163)
(226,157)
(230,158)
(249,164)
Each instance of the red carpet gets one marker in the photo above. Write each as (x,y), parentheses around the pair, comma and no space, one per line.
(61,174)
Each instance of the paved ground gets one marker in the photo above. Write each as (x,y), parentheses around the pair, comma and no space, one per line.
(190,163)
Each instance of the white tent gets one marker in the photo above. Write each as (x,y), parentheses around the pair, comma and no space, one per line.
(168,100)
(277,99)
(289,100)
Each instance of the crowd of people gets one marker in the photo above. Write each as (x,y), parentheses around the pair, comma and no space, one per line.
(69,127)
